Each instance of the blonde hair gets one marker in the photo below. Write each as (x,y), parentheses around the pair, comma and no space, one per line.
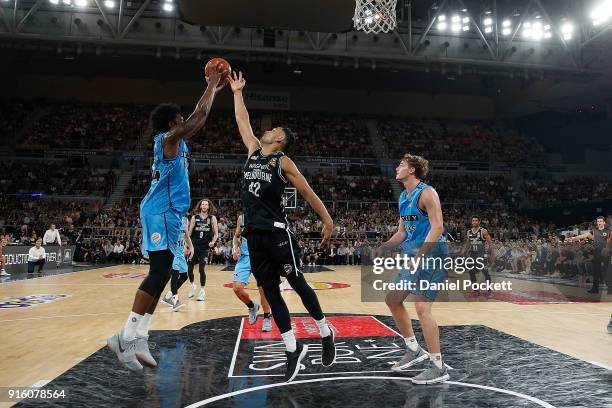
(420,164)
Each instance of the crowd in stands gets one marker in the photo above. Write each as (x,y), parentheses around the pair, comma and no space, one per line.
(113,127)
(13,115)
(542,193)
(54,178)
(88,126)
(326,135)
(360,199)
(439,140)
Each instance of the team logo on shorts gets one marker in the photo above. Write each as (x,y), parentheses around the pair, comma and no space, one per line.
(288,268)
(156,237)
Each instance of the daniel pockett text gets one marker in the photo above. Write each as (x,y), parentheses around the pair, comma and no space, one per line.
(422,273)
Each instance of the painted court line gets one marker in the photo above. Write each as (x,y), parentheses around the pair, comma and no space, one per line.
(335,373)
(231,369)
(368,378)
(40,383)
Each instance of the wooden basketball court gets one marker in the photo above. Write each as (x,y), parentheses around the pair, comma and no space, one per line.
(41,342)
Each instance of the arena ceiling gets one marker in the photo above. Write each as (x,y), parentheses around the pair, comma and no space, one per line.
(494,49)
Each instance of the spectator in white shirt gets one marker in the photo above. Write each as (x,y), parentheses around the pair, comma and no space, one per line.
(108,251)
(118,252)
(36,257)
(52,236)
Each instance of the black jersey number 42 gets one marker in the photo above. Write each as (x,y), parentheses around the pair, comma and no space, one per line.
(254,188)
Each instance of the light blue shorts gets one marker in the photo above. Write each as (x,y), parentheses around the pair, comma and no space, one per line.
(180,263)
(431,271)
(242,271)
(161,231)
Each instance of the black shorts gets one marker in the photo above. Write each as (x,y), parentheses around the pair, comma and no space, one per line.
(273,253)
(199,255)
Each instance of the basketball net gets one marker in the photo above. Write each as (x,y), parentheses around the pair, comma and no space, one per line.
(375,16)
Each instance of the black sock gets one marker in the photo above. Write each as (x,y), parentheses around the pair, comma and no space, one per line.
(266,315)
(250,305)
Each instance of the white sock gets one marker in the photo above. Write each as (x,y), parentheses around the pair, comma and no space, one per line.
(323,327)
(143,326)
(129,331)
(168,295)
(411,343)
(289,339)
(436,358)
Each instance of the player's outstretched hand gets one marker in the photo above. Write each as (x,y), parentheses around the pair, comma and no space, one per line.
(237,81)
(216,77)
(328,228)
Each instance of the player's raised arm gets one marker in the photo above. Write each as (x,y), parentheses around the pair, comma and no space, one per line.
(237,83)
(588,234)
(195,122)
(298,181)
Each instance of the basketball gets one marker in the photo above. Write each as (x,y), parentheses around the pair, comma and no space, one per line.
(218,62)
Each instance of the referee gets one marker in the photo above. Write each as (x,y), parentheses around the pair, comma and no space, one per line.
(602,236)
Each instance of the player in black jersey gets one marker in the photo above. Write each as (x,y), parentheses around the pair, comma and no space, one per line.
(273,247)
(204,232)
(475,247)
(602,254)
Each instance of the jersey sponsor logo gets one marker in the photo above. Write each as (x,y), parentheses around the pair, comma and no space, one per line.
(410,217)
(258,174)
(155,237)
(273,162)
(29,301)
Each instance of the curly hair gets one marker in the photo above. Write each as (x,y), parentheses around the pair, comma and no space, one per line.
(161,116)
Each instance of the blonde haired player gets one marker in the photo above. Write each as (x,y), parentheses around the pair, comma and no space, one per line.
(420,232)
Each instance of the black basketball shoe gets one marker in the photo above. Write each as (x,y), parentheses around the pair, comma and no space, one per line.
(293,361)
(328,352)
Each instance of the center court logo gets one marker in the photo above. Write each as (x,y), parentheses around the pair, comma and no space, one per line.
(28,301)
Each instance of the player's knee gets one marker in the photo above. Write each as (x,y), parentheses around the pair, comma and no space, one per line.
(155,282)
(393,301)
(272,292)
(238,288)
(422,308)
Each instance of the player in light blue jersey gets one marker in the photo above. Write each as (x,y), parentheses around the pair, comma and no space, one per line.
(242,272)
(179,268)
(161,213)
(420,233)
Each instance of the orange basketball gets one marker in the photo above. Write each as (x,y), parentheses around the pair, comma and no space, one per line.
(221,63)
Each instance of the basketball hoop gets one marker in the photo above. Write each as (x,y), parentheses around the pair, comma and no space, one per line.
(375,16)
